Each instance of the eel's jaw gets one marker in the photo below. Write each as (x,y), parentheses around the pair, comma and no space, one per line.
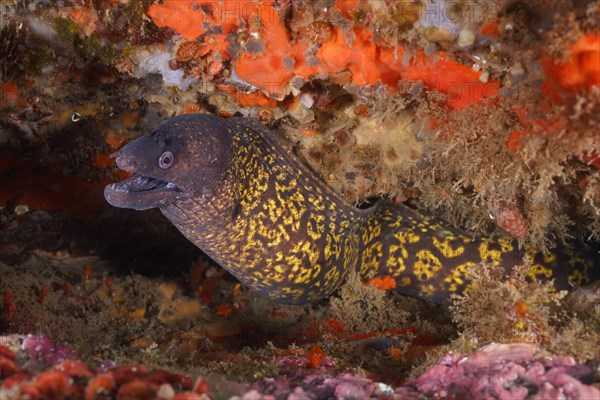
(141,192)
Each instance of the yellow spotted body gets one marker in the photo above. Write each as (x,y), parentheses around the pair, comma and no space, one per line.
(287,235)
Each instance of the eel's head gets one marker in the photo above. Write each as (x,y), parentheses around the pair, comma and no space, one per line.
(181,158)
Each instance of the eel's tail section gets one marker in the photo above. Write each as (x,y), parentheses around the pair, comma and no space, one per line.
(430,262)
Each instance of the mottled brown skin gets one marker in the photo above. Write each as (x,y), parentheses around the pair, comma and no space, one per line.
(242,197)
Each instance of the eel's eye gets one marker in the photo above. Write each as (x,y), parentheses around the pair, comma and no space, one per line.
(166,160)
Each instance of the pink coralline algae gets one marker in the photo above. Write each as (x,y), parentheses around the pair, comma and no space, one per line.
(503,371)
(45,350)
(317,385)
(36,367)
(496,371)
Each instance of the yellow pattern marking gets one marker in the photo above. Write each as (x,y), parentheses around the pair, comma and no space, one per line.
(457,276)
(488,254)
(538,270)
(426,265)
(446,249)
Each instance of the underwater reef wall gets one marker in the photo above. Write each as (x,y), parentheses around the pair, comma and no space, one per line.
(483,113)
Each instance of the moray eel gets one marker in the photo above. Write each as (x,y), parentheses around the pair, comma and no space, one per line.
(240,194)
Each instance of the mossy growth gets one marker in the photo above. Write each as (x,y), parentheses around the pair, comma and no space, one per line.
(65,28)
(578,337)
(100,321)
(93,47)
(514,308)
(245,367)
(364,308)
(579,324)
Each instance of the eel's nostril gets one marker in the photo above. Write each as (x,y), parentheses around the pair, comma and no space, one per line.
(126,163)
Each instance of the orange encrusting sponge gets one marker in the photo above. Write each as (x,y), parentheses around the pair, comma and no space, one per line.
(367,61)
(370,63)
(581,71)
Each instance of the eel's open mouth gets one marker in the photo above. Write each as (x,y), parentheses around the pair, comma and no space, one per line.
(141,192)
(142,183)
